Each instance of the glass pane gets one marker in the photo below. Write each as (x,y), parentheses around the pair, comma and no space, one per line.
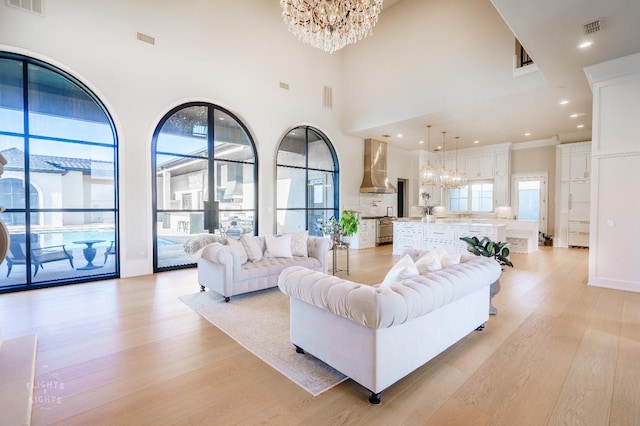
(529,200)
(291,221)
(230,140)
(181,183)
(235,187)
(291,188)
(482,197)
(71,175)
(11,99)
(321,190)
(185,132)
(173,230)
(319,154)
(237,223)
(61,109)
(292,151)
(56,247)
(316,219)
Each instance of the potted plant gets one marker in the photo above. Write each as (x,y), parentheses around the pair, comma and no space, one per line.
(488,248)
(427,206)
(331,229)
(349,224)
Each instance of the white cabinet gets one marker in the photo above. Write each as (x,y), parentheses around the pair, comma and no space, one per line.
(480,166)
(573,193)
(579,201)
(407,235)
(428,236)
(580,166)
(440,235)
(366,235)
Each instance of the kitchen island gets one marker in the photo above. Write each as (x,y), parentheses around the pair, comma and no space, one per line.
(427,236)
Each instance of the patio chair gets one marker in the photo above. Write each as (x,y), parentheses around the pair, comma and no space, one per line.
(110,250)
(41,255)
(16,255)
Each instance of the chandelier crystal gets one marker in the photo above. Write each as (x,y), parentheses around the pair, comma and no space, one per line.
(444,175)
(459,178)
(330,24)
(428,172)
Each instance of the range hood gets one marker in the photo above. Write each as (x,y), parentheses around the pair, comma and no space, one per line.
(375,178)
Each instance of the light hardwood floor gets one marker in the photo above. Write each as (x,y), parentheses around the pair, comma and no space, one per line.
(129,352)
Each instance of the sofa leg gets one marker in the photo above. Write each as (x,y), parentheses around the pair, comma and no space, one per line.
(299,349)
(374,398)
(201,287)
(480,328)
(226,299)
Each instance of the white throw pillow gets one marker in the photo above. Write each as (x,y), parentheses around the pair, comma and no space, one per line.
(299,243)
(278,246)
(402,270)
(238,247)
(449,260)
(253,246)
(429,262)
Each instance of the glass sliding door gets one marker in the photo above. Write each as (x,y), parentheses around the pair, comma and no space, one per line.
(59,186)
(205,172)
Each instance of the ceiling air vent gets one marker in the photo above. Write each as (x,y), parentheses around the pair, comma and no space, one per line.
(33,6)
(592,27)
(327,97)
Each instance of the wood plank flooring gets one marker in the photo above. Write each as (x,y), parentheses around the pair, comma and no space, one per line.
(129,352)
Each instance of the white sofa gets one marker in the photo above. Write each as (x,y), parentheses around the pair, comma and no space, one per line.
(220,266)
(378,334)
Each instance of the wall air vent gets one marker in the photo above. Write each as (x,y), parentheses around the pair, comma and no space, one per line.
(146,38)
(592,27)
(33,6)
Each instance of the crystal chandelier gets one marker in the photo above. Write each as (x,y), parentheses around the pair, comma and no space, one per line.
(330,24)
(428,171)
(458,178)
(444,176)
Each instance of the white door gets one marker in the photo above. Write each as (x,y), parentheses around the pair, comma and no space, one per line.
(529,198)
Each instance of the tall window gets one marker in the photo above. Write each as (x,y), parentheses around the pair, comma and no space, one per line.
(307,178)
(59,185)
(205,179)
(471,198)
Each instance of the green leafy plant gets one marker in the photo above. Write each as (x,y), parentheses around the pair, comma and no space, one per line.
(426,197)
(349,223)
(485,247)
(331,227)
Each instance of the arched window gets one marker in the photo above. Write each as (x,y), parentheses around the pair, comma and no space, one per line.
(205,178)
(59,183)
(307,181)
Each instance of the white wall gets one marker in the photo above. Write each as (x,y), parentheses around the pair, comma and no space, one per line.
(615,172)
(233,54)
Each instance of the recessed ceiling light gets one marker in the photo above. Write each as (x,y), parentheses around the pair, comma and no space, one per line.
(399,135)
(580,126)
(564,102)
(527,134)
(420,142)
(476,141)
(574,116)
(585,44)
(439,147)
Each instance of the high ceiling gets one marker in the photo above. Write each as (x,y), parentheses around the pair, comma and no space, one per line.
(550,31)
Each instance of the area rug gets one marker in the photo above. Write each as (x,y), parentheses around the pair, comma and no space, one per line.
(17,370)
(259,321)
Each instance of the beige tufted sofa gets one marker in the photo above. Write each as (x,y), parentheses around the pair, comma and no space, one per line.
(221,269)
(378,334)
